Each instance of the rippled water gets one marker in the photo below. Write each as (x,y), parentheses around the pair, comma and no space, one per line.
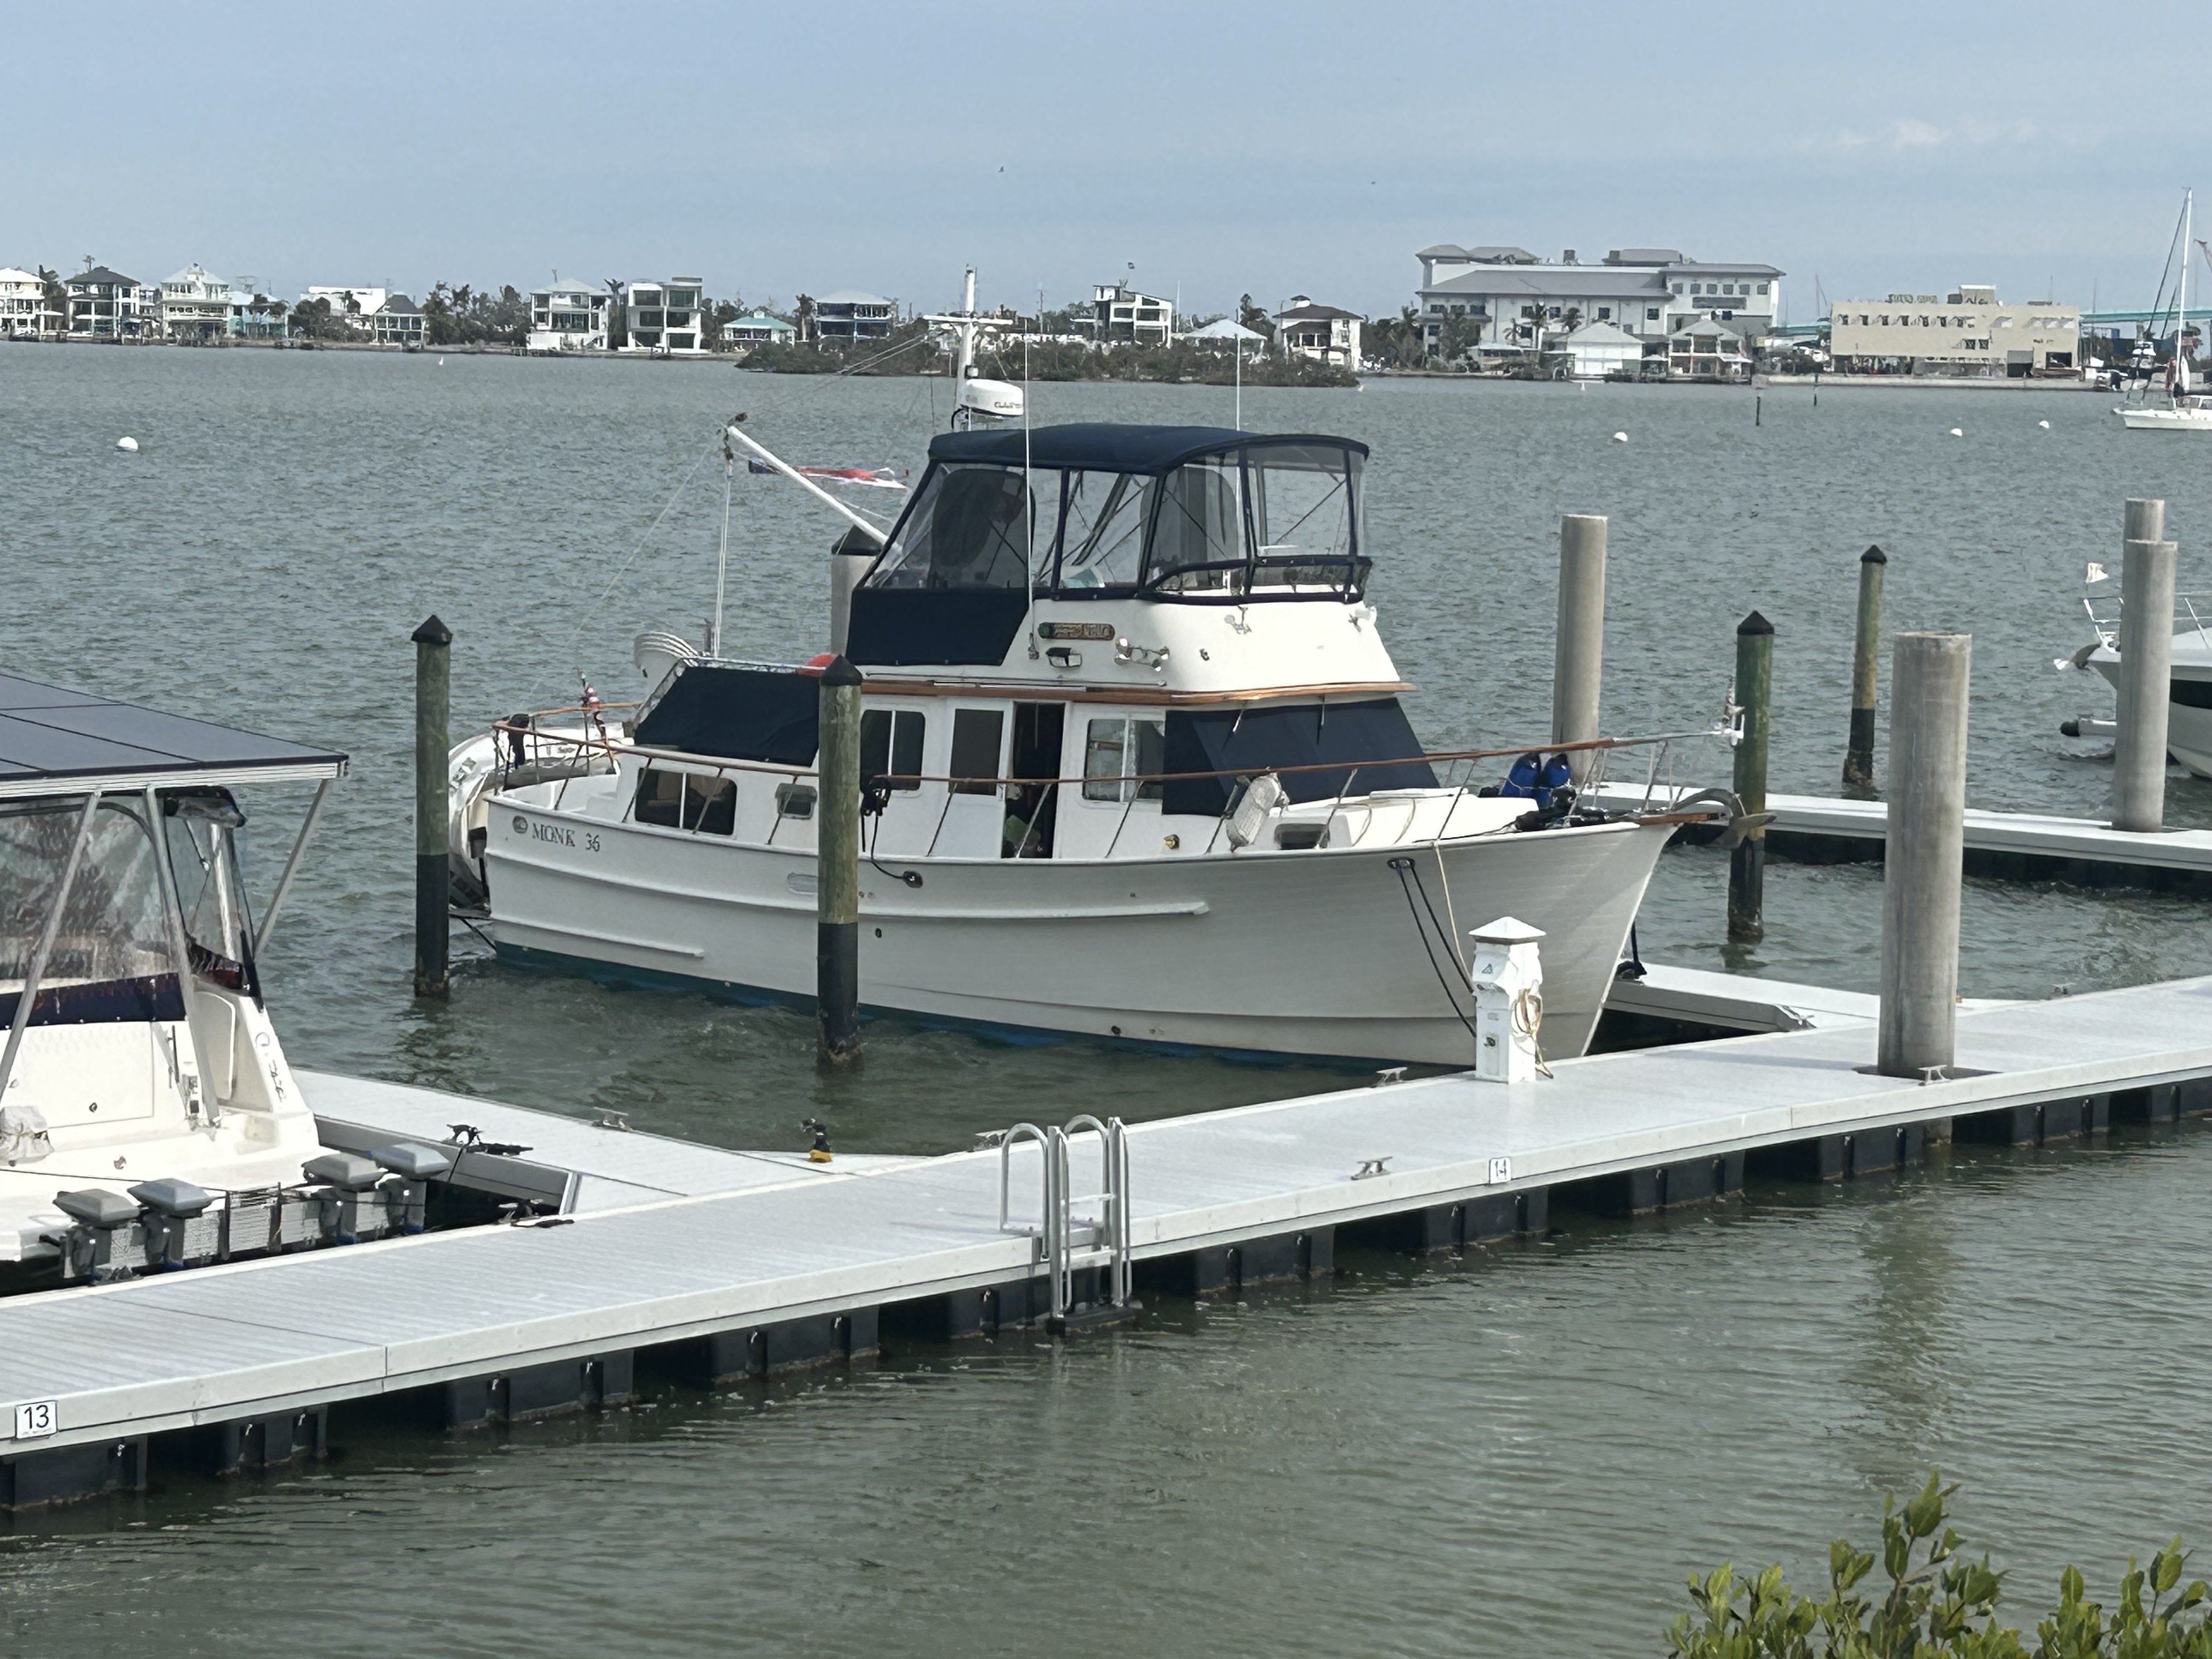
(1520,1452)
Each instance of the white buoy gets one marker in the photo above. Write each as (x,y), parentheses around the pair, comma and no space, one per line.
(1621,437)
(2046,425)
(1958,432)
(131,444)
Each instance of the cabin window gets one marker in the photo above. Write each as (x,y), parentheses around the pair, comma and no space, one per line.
(977,735)
(710,804)
(890,747)
(1103,537)
(1118,752)
(686,800)
(965,530)
(661,799)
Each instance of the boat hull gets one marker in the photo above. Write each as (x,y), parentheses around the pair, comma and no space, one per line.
(2167,420)
(1317,952)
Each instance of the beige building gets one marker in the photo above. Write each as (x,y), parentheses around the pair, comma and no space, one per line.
(1965,332)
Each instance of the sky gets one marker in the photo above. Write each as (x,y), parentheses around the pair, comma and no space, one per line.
(1199,150)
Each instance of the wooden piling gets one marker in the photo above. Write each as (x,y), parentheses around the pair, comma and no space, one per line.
(433,650)
(1754,690)
(838,867)
(1866,658)
(1926,846)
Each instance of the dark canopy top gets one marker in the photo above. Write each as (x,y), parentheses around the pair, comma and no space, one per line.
(1104,446)
(50,735)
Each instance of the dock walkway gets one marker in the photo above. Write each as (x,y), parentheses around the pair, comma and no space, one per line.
(2018,846)
(802,1264)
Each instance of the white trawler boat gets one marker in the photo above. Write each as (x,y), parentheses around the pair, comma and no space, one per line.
(1138,769)
(142,1085)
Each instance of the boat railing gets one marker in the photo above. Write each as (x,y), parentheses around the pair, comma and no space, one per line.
(596,753)
(2103,610)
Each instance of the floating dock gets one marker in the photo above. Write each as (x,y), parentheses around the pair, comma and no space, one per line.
(717,1267)
(2009,846)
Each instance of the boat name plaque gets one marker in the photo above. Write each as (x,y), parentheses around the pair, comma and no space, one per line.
(37,1419)
(1075,630)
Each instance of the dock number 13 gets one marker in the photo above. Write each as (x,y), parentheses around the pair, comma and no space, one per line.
(36,1420)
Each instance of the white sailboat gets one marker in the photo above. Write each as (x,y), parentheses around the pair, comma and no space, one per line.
(1137,769)
(2177,407)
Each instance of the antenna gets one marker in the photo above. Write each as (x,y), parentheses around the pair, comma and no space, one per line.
(1028,503)
(722,558)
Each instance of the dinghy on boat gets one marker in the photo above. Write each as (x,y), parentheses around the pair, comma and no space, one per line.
(1136,766)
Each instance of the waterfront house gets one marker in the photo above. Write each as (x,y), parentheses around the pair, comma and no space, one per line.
(1508,299)
(397,321)
(1705,350)
(1966,333)
(662,319)
(757,328)
(1322,332)
(1596,350)
(26,313)
(569,317)
(106,305)
(196,305)
(849,314)
(1121,316)
(255,316)
(349,306)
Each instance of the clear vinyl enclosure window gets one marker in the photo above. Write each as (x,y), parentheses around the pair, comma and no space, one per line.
(968,529)
(1102,539)
(1303,501)
(112,928)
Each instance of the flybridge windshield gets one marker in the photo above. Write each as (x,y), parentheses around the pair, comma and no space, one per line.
(1276,519)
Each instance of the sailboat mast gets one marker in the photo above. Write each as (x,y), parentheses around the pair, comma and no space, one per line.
(2181,295)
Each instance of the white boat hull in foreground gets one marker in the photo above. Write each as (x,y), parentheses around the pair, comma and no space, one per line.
(1320,951)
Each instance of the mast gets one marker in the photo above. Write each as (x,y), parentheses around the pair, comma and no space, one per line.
(2181,300)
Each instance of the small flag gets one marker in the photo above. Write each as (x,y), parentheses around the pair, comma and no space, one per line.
(2096,572)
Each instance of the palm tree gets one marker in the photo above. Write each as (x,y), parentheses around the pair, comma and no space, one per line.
(803,315)
(617,323)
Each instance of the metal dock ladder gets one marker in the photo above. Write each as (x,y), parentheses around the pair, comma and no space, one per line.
(1070,1241)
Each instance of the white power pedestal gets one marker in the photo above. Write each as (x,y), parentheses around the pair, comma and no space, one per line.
(1508,1001)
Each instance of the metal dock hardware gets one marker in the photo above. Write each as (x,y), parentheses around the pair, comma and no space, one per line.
(1069,1242)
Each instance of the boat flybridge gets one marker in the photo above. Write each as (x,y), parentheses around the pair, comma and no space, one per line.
(1135,766)
(148,1116)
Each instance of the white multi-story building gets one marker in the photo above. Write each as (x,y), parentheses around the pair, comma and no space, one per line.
(852,315)
(196,305)
(662,319)
(366,301)
(1320,332)
(1121,316)
(1508,299)
(25,312)
(569,317)
(1964,332)
(106,305)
